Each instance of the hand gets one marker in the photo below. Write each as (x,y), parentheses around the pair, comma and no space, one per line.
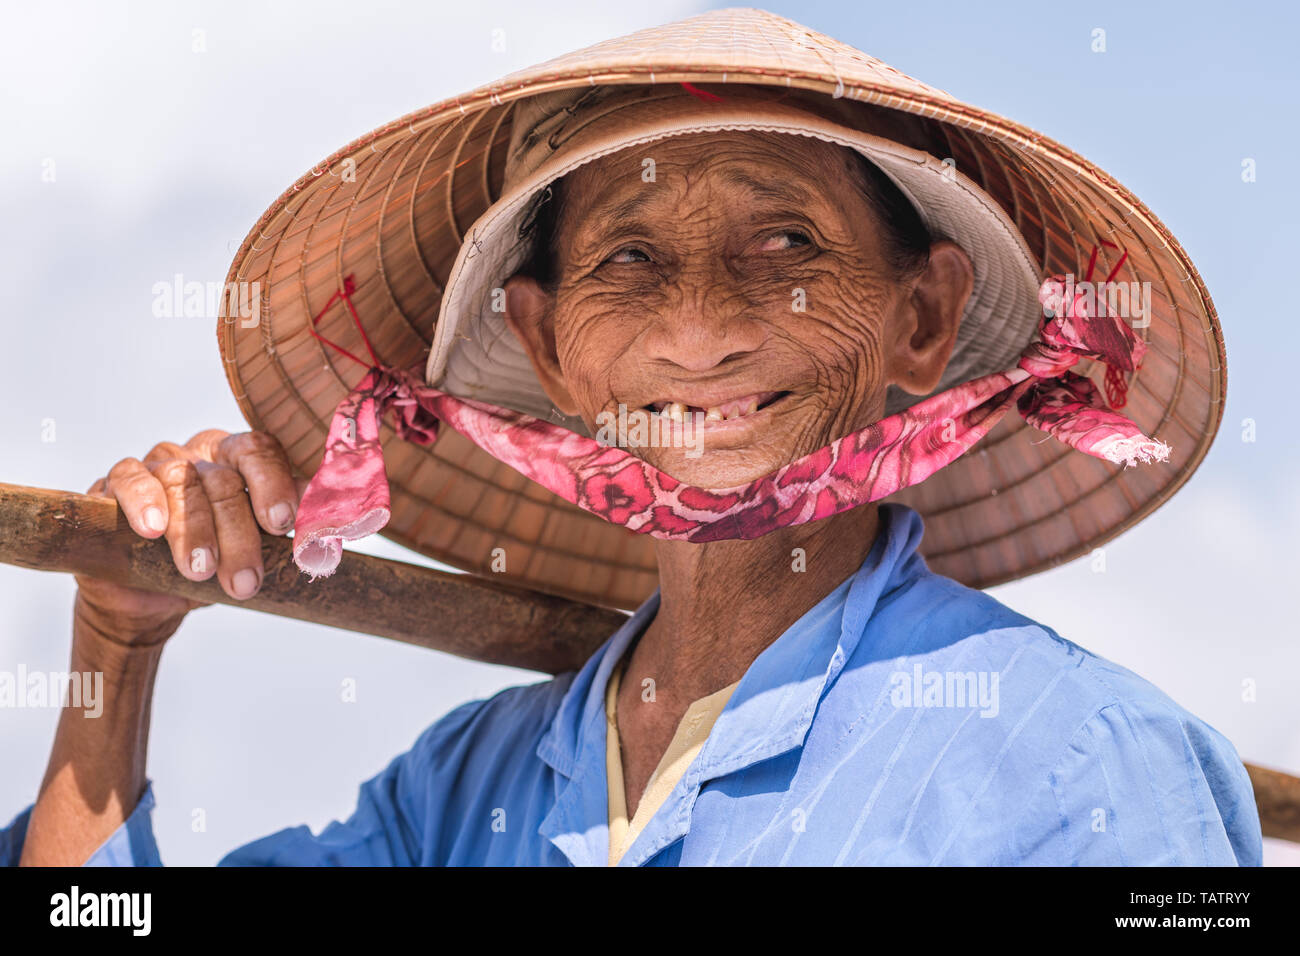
(208,497)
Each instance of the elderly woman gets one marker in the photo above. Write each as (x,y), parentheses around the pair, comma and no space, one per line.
(792,307)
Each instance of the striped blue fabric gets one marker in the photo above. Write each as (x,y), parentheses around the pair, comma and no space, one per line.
(904,720)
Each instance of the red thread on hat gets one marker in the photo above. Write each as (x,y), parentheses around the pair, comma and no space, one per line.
(349,288)
(701,94)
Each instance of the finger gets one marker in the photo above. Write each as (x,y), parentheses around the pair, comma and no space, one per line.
(99,489)
(239,540)
(166,451)
(267,473)
(140,496)
(191,528)
(204,444)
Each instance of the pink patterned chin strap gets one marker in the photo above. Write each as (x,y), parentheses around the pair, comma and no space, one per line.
(348,498)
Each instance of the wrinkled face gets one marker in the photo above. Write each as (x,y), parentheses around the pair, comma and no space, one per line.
(740,276)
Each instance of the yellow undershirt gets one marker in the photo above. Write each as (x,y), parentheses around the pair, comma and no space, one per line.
(692,731)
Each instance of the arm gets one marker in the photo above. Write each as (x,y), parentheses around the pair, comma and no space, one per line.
(96,773)
(208,498)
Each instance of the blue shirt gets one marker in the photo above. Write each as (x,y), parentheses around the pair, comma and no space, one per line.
(905,719)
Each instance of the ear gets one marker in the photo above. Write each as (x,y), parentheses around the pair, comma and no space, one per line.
(529,312)
(926,323)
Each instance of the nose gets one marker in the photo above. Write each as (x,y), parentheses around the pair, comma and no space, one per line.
(705,323)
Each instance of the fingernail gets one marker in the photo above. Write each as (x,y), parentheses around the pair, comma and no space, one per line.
(281,515)
(245,582)
(201,559)
(154,520)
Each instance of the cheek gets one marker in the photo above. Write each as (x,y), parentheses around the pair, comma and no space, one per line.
(591,335)
(841,329)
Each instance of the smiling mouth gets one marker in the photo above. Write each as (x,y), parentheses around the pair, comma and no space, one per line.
(733,408)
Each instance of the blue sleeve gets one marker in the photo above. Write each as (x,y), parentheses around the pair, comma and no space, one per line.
(131,844)
(397,814)
(384,830)
(1146,784)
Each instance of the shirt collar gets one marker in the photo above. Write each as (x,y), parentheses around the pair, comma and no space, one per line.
(574,746)
(769,712)
(584,701)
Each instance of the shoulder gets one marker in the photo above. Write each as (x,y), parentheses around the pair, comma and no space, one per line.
(512,721)
(474,768)
(954,626)
(1103,765)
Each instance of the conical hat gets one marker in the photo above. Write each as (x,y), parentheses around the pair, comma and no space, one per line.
(393,210)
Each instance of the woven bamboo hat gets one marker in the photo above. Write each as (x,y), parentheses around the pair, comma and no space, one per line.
(397,212)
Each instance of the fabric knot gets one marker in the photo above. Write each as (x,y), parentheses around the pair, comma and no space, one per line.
(1075,325)
(1044,360)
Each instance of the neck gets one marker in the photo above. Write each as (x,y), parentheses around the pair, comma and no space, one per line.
(722,603)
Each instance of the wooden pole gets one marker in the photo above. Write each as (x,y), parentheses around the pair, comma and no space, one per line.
(468,616)
(1277,795)
(461,614)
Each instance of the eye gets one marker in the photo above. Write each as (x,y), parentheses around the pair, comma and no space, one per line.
(627,254)
(784,240)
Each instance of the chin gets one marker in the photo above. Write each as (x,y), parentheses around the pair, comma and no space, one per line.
(718,469)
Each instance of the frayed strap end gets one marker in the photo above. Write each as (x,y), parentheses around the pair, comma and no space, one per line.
(318,553)
(1130,451)
(318,557)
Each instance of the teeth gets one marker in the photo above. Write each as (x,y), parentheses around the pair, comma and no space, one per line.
(678,411)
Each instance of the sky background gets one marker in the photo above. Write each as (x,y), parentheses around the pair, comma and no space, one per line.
(164,157)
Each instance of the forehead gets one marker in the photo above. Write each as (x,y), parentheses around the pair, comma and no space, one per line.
(778,167)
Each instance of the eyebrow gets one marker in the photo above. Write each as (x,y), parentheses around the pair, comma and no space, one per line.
(617,211)
(784,192)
